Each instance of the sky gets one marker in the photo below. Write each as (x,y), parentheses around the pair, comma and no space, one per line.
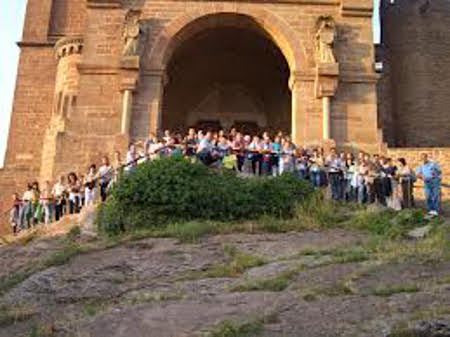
(12,14)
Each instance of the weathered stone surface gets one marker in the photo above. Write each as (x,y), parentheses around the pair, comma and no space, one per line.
(154,287)
(420,233)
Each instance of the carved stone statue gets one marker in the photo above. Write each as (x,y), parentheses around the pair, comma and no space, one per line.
(325,36)
(131,32)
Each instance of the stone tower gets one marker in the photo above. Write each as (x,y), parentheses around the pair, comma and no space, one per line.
(414,93)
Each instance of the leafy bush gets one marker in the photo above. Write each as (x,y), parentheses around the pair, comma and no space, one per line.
(173,190)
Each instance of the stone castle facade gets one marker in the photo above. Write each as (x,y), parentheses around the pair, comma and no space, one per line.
(97,74)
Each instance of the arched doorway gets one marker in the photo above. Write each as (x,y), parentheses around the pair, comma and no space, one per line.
(226,71)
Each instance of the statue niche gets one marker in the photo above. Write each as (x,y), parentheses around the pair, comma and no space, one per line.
(325,37)
(131,33)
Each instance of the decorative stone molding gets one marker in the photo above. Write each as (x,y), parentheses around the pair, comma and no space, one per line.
(326,82)
(130,62)
(104,3)
(129,83)
(68,46)
(361,8)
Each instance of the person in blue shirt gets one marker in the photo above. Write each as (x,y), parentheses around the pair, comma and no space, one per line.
(431,174)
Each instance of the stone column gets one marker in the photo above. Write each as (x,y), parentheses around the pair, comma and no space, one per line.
(326,117)
(130,74)
(155,81)
(299,84)
(327,75)
(126,112)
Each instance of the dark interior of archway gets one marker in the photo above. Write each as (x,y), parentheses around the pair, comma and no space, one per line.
(227,76)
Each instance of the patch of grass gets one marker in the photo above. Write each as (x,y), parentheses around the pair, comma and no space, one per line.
(92,309)
(64,255)
(11,315)
(73,234)
(238,329)
(339,256)
(13,280)
(350,256)
(338,289)
(173,252)
(41,330)
(315,212)
(277,283)
(433,249)
(403,333)
(389,290)
(238,264)
(28,237)
(388,223)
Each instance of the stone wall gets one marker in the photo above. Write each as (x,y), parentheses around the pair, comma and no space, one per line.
(67,18)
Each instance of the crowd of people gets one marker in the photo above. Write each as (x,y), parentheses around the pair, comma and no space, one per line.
(362,178)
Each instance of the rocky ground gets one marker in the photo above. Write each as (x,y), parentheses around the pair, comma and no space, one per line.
(311,284)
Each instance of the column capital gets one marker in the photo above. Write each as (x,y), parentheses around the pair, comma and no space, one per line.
(298,77)
(326,80)
(128,83)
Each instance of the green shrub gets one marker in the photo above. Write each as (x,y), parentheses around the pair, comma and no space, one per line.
(176,190)
(389,223)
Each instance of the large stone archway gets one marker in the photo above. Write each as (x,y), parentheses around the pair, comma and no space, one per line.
(184,27)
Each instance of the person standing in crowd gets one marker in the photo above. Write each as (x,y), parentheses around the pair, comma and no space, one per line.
(117,167)
(167,136)
(223,149)
(335,173)
(301,164)
(59,193)
(27,209)
(255,155)
(37,207)
(90,186)
(190,142)
(204,149)
(393,190)
(276,150)
(104,175)
(266,155)
(287,157)
(237,147)
(14,217)
(363,174)
(47,201)
(131,158)
(316,169)
(406,179)
(350,179)
(431,174)
(74,189)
